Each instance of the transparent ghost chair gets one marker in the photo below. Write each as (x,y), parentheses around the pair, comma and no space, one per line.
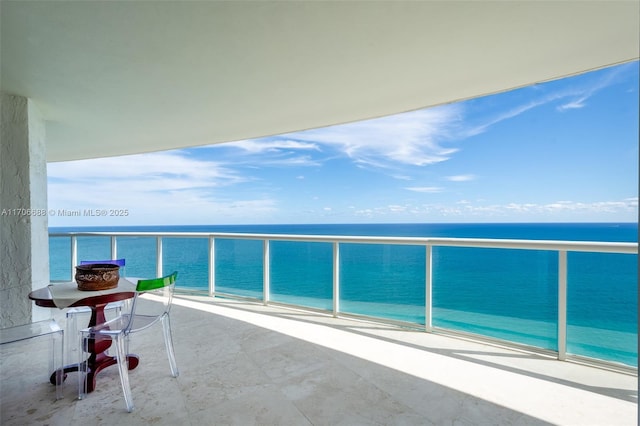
(144,313)
(40,329)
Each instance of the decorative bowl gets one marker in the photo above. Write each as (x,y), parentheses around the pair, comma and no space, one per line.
(97,276)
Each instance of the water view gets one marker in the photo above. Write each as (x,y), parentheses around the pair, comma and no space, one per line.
(508,294)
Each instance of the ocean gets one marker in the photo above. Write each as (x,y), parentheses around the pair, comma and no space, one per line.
(505,294)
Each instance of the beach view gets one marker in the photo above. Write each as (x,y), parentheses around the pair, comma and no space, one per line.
(537,158)
(319,213)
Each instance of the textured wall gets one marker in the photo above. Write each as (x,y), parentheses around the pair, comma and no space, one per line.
(24,247)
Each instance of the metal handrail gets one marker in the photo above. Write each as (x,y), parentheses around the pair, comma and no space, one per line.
(583,246)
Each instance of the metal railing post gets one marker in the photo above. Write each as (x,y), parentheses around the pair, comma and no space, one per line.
(159,256)
(428,292)
(266,279)
(114,247)
(562,305)
(212,266)
(74,254)
(336,278)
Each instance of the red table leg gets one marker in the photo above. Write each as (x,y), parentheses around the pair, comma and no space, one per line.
(98,358)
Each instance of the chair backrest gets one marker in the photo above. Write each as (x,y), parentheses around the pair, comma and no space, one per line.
(120,262)
(151,311)
(157,283)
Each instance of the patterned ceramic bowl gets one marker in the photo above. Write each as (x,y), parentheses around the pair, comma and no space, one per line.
(97,276)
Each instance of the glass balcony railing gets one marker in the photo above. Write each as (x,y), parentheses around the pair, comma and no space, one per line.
(572,299)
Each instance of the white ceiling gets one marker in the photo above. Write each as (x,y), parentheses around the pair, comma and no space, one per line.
(124,77)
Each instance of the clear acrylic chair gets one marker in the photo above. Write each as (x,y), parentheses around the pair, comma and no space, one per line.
(50,328)
(143,314)
(72,313)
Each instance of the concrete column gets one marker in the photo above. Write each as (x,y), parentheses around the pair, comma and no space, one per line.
(24,238)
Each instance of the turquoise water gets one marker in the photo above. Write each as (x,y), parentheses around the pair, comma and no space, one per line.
(507,294)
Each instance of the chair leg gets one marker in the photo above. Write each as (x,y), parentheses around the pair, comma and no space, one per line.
(72,333)
(82,342)
(168,342)
(126,306)
(117,311)
(123,368)
(57,361)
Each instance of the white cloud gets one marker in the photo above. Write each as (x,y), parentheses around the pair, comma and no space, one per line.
(411,138)
(291,161)
(271,152)
(559,208)
(622,211)
(576,98)
(160,170)
(576,104)
(582,94)
(402,177)
(257,146)
(461,178)
(425,189)
(153,188)
(504,115)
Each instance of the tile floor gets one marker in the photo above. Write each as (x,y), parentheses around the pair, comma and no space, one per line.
(248,364)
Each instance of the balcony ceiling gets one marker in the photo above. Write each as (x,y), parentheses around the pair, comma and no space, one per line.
(114,78)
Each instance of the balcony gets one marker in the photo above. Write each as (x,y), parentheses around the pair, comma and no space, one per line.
(252,353)
(247,363)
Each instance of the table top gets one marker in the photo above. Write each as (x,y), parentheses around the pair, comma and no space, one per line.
(67,295)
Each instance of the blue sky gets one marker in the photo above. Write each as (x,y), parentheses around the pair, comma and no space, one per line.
(561,151)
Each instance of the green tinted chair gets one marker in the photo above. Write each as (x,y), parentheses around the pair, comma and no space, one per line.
(143,315)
